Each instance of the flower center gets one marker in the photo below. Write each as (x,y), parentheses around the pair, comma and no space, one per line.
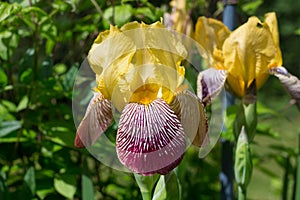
(149,92)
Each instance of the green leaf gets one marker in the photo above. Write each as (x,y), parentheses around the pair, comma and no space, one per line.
(146,184)
(45,185)
(122,14)
(145,12)
(60,68)
(243,160)
(29,180)
(65,185)
(8,42)
(7,9)
(3,188)
(26,76)
(251,7)
(3,79)
(23,103)
(87,187)
(167,188)
(7,127)
(69,79)
(11,107)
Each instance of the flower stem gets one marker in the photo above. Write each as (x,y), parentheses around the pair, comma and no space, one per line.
(146,195)
(241,193)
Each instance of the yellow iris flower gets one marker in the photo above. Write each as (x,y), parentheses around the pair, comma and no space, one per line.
(138,72)
(137,63)
(246,54)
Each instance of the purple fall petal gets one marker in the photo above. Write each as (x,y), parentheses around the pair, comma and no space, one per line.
(96,120)
(150,138)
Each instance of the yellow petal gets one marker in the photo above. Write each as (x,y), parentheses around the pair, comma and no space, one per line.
(156,61)
(108,47)
(271,21)
(248,52)
(136,61)
(211,34)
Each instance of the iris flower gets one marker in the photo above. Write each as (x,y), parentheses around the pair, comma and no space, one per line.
(246,55)
(139,74)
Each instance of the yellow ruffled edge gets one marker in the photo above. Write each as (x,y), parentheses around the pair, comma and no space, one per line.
(130,26)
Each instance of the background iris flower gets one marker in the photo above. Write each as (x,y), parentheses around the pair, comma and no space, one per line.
(247,54)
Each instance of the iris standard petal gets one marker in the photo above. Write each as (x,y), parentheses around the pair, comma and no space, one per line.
(211,34)
(107,48)
(248,52)
(96,120)
(150,138)
(271,21)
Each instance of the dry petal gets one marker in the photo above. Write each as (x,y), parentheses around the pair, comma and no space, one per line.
(210,83)
(96,120)
(289,81)
(191,112)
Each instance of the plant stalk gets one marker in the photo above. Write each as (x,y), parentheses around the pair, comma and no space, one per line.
(241,193)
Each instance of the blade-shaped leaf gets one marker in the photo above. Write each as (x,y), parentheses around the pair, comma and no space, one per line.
(87,187)
(29,180)
(7,127)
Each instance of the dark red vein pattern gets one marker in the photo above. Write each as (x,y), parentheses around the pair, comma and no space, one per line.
(150,138)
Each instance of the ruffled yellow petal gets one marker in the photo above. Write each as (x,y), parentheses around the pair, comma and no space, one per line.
(137,63)
(211,34)
(271,21)
(108,47)
(248,52)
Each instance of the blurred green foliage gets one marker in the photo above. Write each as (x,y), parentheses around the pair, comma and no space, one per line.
(43,43)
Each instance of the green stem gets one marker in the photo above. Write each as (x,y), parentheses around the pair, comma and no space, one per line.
(241,193)
(146,195)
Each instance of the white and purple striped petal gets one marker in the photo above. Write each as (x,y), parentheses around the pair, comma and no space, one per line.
(150,138)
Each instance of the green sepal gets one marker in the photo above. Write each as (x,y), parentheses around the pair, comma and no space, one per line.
(168,188)
(247,117)
(146,184)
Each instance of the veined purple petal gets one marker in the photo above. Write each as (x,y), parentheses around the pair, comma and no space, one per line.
(96,120)
(150,138)
(210,83)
